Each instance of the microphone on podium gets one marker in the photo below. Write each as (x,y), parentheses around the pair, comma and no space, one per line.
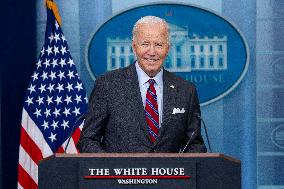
(79,120)
(195,132)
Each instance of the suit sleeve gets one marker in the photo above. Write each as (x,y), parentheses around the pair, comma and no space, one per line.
(193,132)
(96,118)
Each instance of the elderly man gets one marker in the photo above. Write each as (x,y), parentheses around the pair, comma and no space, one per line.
(143,107)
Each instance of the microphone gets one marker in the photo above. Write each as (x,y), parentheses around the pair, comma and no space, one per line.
(194,133)
(189,141)
(80,119)
(205,129)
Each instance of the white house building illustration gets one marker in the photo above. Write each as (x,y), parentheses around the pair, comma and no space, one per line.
(187,53)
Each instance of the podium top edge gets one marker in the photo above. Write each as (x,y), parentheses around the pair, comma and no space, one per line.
(139,155)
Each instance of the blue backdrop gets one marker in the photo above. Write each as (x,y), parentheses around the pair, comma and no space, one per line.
(247,124)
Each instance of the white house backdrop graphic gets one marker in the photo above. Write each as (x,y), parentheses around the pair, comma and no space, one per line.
(187,53)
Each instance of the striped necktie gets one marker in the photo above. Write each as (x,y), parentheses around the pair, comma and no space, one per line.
(151,111)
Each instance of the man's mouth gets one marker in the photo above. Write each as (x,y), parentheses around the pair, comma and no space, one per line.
(151,59)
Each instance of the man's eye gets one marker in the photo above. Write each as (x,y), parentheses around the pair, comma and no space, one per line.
(159,45)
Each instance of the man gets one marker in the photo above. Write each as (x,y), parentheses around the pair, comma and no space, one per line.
(143,108)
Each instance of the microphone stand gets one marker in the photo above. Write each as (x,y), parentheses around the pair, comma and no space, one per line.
(194,132)
(206,134)
(81,118)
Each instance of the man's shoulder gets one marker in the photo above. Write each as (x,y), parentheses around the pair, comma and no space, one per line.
(179,81)
(118,74)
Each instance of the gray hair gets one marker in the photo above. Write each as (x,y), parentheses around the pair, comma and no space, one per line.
(149,20)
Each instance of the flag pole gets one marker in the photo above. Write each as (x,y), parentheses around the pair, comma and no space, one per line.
(50,4)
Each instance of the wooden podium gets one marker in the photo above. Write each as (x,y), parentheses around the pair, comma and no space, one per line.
(140,170)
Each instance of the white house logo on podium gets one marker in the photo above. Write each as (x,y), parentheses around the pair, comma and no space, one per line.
(205,48)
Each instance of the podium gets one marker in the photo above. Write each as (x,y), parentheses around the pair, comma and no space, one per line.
(140,170)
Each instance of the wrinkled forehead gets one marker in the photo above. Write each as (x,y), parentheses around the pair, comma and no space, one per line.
(151,25)
(156,30)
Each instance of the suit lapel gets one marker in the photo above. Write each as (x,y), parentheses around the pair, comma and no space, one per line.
(136,104)
(169,95)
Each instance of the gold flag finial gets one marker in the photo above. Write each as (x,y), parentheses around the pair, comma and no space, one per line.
(52,6)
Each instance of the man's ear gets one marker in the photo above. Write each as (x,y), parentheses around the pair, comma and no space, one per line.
(169,46)
(134,47)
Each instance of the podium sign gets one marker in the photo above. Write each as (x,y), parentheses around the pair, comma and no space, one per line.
(135,171)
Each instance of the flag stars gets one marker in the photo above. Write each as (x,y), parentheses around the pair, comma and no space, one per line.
(58,100)
(61,75)
(65,124)
(63,38)
(55,50)
(52,136)
(79,86)
(55,93)
(49,100)
(68,99)
(44,75)
(56,25)
(35,76)
(76,111)
(62,62)
(66,112)
(56,112)
(39,100)
(42,51)
(51,37)
(69,87)
(42,88)
(29,100)
(49,50)
(59,87)
(50,87)
(78,98)
(70,62)
(45,125)
(47,112)
(37,112)
(54,63)
(54,124)
(32,88)
(70,74)
(63,50)
(46,63)
(52,75)
(38,64)
(56,37)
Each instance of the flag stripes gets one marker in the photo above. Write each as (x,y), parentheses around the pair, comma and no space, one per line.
(24,179)
(55,99)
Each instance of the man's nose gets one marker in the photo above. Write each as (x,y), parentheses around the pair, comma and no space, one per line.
(152,50)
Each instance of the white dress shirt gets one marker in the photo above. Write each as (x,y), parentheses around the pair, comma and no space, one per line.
(144,85)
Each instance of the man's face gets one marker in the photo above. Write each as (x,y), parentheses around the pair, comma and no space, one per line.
(151,47)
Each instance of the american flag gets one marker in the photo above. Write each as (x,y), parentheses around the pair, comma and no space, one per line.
(55,100)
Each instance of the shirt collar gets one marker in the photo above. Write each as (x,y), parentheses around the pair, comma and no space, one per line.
(143,77)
